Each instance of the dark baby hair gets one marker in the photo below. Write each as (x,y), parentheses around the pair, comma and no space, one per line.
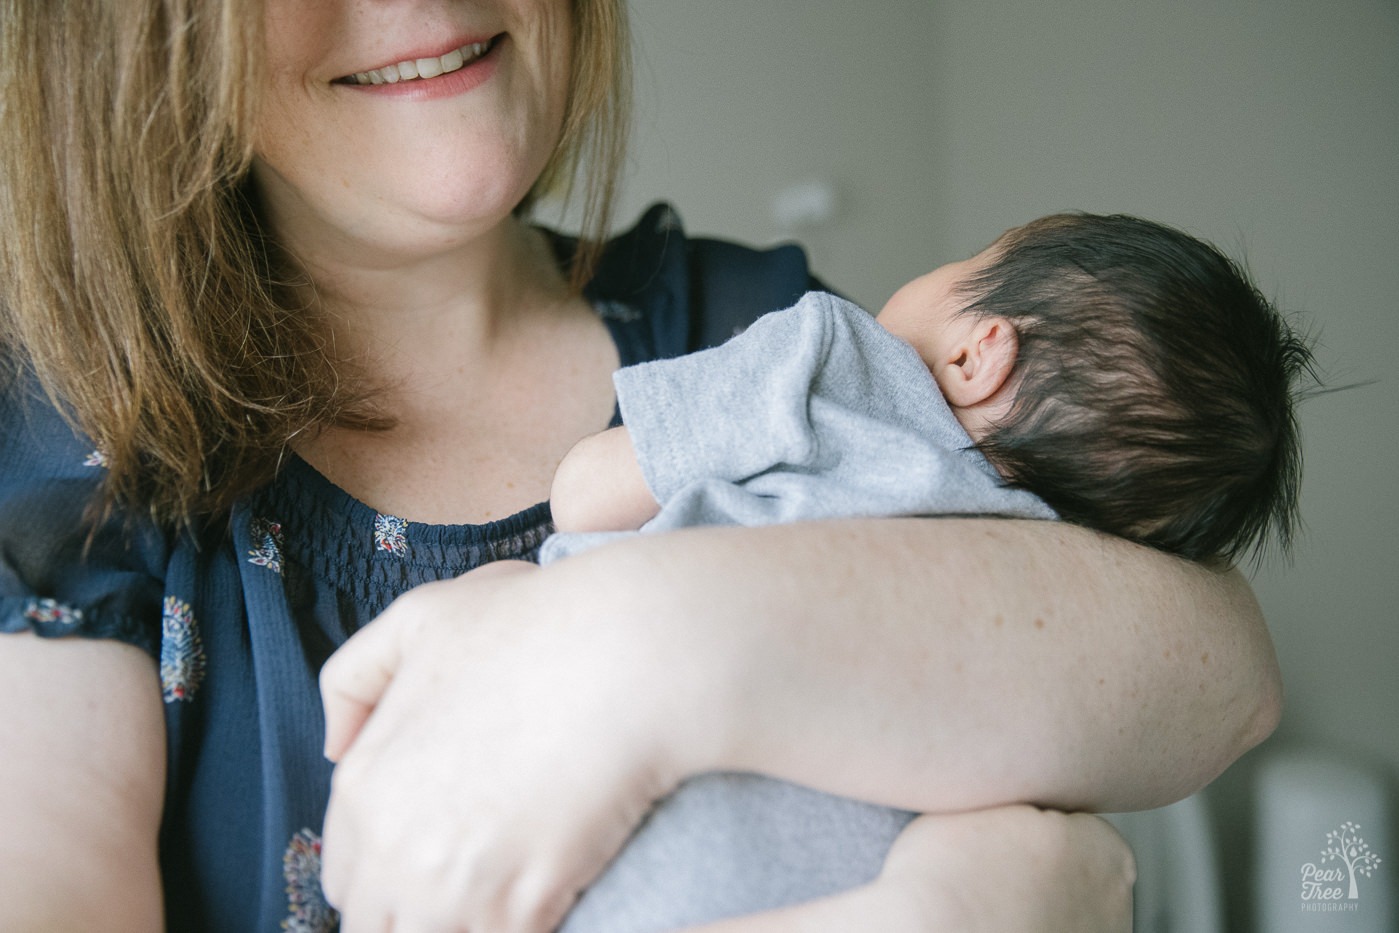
(1155,386)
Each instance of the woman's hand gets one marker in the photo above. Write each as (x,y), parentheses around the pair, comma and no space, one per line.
(934,665)
(511,750)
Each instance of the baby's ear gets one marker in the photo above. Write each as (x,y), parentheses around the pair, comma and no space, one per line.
(980,363)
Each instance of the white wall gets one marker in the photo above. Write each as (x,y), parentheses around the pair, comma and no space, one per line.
(1271,128)
(738,100)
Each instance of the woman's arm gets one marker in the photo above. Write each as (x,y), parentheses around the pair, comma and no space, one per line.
(83,772)
(955,663)
(938,665)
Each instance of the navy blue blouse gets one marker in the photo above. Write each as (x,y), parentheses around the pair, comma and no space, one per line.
(242,618)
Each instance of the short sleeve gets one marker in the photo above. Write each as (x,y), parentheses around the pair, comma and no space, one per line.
(62,574)
(733,411)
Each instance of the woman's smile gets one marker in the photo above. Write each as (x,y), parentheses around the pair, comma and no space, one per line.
(423,68)
(415,180)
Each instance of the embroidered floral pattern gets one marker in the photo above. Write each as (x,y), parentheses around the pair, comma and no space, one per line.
(267,536)
(390,534)
(96,459)
(307,910)
(52,612)
(182,659)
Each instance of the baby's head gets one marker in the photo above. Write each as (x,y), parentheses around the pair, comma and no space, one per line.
(1129,374)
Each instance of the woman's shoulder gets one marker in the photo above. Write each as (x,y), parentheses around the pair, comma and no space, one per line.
(702,290)
(62,571)
(39,441)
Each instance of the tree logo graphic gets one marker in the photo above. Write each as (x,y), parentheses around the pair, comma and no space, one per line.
(1343,847)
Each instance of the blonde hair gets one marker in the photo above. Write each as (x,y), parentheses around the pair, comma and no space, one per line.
(134,277)
(595,130)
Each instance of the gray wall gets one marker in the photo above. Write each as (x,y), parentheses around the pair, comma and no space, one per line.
(1269,128)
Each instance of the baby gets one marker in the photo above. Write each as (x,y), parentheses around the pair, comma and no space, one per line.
(1128,375)
(1108,370)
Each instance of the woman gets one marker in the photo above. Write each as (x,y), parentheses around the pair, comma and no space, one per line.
(283,287)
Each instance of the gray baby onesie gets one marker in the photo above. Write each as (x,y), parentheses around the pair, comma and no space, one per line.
(813,412)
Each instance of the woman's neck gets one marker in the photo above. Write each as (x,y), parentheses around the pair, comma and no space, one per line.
(396,316)
(487,366)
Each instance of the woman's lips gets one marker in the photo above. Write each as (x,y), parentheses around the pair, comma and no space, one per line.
(421,69)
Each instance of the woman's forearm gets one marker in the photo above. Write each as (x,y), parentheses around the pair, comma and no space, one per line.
(944,664)
(933,665)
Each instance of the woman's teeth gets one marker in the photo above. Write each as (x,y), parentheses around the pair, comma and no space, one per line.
(413,69)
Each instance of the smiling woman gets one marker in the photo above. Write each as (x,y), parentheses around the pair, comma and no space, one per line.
(503,116)
(283,347)
(192,403)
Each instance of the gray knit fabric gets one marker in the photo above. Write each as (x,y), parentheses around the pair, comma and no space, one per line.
(813,412)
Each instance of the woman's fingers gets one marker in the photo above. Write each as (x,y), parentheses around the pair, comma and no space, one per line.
(353,681)
(503,757)
(355,678)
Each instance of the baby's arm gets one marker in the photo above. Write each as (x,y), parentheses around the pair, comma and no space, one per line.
(599,486)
